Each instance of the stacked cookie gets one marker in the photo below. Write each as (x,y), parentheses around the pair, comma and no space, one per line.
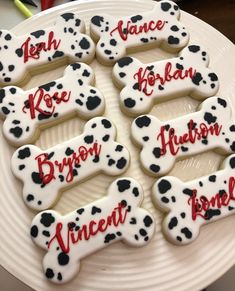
(47,173)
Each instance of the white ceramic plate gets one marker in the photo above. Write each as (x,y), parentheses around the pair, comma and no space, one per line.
(160,265)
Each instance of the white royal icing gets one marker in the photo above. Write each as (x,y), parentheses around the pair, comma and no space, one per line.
(162,143)
(46,173)
(145,84)
(26,111)
(158,27)
(21,54)
(67,239)
(192,204)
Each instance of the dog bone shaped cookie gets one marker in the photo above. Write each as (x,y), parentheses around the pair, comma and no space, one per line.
(146,84)
(67,239)
(26,111)
(46,173)
(192,204)
(211,127)
(158,27)
(21,54)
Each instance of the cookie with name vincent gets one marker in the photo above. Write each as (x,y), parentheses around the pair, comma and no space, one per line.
(47,173)
(70,238)
(25,113)
(162,143)
(188,206)
(144,85)
(160,27)
(43,49)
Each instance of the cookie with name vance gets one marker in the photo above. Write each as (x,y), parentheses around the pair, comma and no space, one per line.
(46,173)
(144,85)
(163,143)
(25,112)
(158,27)
(68,239)
(191,205)
(63,42)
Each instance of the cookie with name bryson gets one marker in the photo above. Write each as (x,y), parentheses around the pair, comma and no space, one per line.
(45,174)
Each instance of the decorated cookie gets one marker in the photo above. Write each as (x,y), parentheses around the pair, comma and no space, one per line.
(158,27)
(67,239)
(192,204)
(146,84)
(163,143)
(23,54)
(46,173)
(26,111)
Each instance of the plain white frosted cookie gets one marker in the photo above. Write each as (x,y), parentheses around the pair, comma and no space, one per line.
(68,239)
(25,112)
(159,27)
(45,174)
(43,49)
(143,85)
(163,143)
(192,204)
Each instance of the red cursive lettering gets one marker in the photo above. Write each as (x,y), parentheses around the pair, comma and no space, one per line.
(39,100)
(200,205)
(169,139)
(33,51)
(135,29)
(118,216)
(147,79)
(46,167)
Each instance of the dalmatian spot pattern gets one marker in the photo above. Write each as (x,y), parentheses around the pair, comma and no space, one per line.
(190,205)
(46,173)
(162,143)
(25,111)
(158,27)
(143,85)
(116,217)
(65,40)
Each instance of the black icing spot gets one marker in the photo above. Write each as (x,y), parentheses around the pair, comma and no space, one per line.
(95,210)
(67,16)
(164,186)
(24,153)
(209,118)
(34,231)
(196,79)
(49,273)
(123,185)
(154,168)
(222,102)
(129,102)
(106,123)
(188,191)
(47,219)
(38,33)
(148,221)
(63,259)
(93,102)
(16,131)
(165,6)
(173,40)
(135,18)
(124,62)
(143,121)
(84,43)
(186,232)
(89,139)
(96,20)
(109,237)
(121,163)
(173,223)
(194,48)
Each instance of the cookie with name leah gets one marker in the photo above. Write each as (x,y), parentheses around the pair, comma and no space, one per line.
(159,27)
(45,174)
(162,143)
(43,49)
(68,239)
(193,204)
(144,85)
(25,112)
